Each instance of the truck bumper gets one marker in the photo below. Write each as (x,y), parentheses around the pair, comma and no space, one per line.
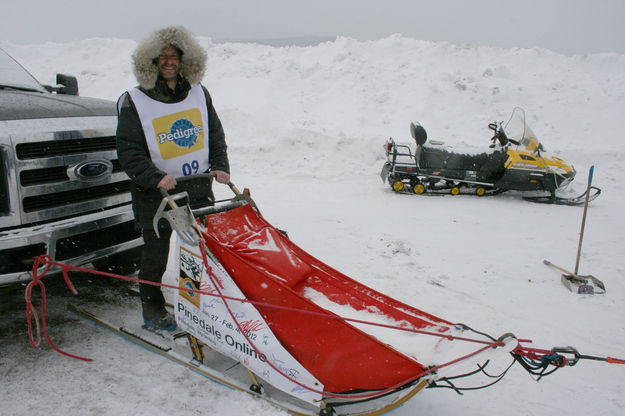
(74,241)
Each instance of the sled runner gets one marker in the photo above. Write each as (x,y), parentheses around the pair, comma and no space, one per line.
(257,313)
(515,161)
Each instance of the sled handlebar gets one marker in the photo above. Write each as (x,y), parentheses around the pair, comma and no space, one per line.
(182,218)
(209,175)
(239,197)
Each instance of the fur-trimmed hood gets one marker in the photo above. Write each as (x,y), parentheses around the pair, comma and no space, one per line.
(192,62)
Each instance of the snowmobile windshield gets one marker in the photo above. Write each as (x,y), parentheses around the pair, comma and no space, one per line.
(14,76)
(517,129)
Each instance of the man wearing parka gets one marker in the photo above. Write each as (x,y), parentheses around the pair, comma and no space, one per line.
(167,128)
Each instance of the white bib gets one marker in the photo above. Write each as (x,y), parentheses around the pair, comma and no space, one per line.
(176,133)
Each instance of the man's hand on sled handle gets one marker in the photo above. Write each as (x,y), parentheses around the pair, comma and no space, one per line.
(167,182)
(221,176)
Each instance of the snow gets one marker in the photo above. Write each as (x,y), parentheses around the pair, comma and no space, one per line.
(305,128)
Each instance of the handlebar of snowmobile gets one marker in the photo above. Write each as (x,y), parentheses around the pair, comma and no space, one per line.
(500,135)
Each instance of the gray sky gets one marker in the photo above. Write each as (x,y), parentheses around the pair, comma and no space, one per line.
(566,26)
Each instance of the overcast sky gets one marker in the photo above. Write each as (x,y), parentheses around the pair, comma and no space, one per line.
(566,26)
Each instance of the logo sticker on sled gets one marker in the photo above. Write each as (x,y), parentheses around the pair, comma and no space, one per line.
(191,268)
(179,134)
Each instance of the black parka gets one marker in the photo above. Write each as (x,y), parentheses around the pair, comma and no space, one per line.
(134,155)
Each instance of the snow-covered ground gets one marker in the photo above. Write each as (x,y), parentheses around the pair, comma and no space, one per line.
(305,128)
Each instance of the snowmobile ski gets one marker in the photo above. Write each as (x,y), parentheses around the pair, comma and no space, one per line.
(579,200)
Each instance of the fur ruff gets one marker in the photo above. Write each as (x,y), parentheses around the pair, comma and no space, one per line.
(192,62)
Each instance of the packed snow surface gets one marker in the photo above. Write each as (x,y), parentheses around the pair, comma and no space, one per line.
(305,128)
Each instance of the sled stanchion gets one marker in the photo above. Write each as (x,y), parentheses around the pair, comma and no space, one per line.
(256,387)
(196,348)
(234,188)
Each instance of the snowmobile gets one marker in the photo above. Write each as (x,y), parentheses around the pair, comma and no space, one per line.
(516,161)
(258,314)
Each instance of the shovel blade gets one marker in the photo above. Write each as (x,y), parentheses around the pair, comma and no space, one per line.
(595,281)
(581,283)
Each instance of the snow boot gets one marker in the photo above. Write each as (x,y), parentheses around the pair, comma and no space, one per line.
(164,322)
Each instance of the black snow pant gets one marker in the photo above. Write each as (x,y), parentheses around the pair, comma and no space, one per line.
(153,265)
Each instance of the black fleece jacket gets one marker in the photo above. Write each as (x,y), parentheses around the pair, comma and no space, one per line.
(134,155)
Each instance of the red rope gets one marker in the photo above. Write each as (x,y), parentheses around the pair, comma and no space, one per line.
(32,312)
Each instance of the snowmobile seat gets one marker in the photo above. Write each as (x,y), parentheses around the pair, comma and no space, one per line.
(442,159)
(418,133)
(420,136)
(433,158)
(462,161)
(493,167)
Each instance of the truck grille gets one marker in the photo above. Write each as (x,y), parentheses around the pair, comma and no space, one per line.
(48,149)
(58,199)
(50,189)
(4,186)
(90,241)
(54,174)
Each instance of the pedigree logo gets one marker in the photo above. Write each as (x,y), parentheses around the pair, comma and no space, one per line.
(179,134)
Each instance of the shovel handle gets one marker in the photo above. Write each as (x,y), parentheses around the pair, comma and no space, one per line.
(548,263)
(581,233)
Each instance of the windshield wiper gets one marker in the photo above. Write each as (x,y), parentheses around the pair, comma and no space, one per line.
(19,88)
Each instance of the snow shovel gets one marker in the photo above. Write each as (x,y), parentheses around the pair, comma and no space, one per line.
(570,280)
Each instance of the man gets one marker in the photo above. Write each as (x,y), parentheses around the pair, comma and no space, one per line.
(167,128)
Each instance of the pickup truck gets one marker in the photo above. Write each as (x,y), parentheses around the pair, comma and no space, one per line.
(62,190)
